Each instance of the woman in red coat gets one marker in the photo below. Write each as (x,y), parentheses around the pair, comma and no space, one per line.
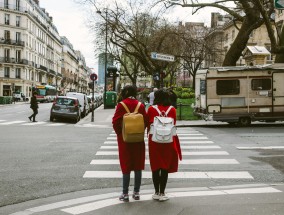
(131,155)
(163,156)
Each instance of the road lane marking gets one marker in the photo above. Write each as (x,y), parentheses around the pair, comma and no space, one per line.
(177,175)
(55,124)
(183,153)
(34,123)
(263,147)
(182,147)
(11,122)
(183,162)
(93,206)
(181,142)
(180,138)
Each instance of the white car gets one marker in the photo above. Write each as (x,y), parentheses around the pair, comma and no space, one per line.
(83,100)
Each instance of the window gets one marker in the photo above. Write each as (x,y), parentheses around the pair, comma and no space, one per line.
(7,19)
(18,73)
(228,87)
(261,84)
(202,87)
(18,21)
(17,4)
(18,36)
(7,72)
(18,56)
(7,55)
(6,4)
(7,35)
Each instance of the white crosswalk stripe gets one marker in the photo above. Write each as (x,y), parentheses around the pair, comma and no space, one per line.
(196,150)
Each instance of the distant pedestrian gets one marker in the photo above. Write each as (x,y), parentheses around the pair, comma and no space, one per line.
(151,96)
(131,155)
(34,107)
(173,97)
(163,156)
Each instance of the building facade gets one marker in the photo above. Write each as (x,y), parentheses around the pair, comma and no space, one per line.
(32,52)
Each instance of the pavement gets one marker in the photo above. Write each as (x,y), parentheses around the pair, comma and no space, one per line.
(186,197)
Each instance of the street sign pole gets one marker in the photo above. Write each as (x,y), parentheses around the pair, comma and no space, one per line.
(92,119)
(93,77)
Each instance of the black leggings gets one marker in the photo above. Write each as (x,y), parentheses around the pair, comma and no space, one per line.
(160,178)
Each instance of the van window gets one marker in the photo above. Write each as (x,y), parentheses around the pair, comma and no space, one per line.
(228,87)
(202,87)
(261,84)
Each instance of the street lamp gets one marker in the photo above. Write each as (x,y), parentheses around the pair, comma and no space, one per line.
(106,19)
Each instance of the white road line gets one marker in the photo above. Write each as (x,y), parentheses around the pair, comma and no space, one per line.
(181,142)
(55,124)
(180,138)
(183,153)
(11,122)
(183,147)
(264,147)
(177,175)
(148,197)
(34,123)
(183,162)
(193,138)
(2,120)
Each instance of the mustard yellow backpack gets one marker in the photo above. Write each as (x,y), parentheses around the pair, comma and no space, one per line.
(133,126)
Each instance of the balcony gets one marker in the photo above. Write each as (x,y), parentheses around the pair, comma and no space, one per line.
(12,42)
(8,60)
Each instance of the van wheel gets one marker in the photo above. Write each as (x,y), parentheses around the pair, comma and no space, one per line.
(51,118)
(244,121)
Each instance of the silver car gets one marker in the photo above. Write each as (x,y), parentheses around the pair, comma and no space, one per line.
(65,107)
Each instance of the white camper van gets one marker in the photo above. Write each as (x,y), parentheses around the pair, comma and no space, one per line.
(240,94)
(83,101)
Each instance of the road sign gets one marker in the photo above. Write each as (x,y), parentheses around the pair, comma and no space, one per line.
(93,76)
(279,4)
(164,57)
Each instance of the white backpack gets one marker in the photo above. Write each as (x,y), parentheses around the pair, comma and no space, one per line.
(163,128)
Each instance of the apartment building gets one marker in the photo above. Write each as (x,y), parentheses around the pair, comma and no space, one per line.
(224,31)
(33,53)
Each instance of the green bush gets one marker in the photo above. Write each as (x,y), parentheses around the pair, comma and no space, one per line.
(6,99)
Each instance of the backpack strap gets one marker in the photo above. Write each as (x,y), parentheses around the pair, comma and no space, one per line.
(137,107)
(156,107)
(168,110)
(160,113)
(127,110)
(125,107)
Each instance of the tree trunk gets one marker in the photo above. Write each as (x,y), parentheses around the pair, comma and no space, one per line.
(238,45)
(280,57)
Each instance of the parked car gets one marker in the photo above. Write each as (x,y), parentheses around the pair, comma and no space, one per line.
(65,107)
(96,102)
(19,96)
(83,100)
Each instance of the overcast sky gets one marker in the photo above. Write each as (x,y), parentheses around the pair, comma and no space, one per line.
(70,21)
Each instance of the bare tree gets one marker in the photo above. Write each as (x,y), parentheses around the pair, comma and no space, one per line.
(251,13)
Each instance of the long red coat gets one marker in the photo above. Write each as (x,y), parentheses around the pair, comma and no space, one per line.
(131,155)
(163,155)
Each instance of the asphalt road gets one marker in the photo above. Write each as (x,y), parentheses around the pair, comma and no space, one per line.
(49,159)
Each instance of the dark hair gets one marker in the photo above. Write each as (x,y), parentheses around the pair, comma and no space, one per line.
(129,90)
(162,97)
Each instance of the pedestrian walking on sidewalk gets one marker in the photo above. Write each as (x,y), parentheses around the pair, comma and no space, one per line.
(131,155)
(163,156)
(34,107)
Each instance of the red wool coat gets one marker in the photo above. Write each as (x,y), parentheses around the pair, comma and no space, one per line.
(131,155)
(163,155)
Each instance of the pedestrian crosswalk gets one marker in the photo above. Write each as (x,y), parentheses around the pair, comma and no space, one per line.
(197,150)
